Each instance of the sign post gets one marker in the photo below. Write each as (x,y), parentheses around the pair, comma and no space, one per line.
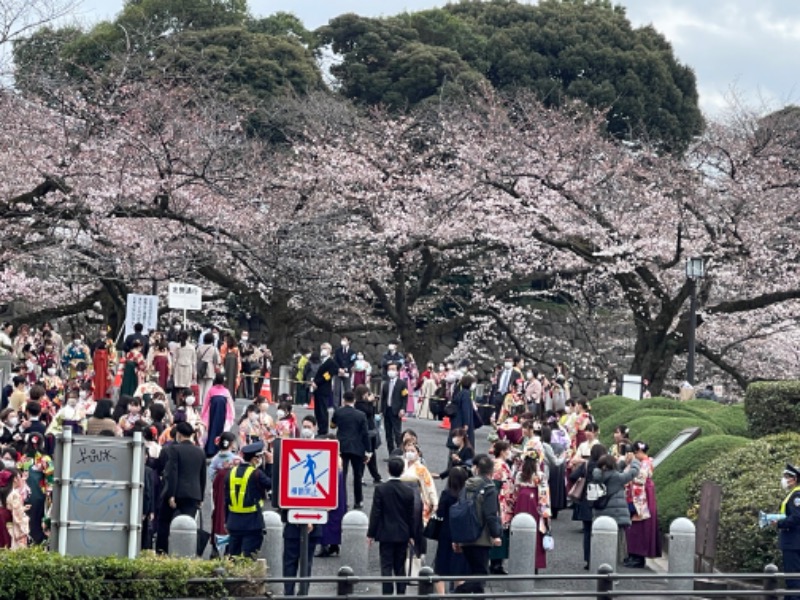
(186,297)
(308,486)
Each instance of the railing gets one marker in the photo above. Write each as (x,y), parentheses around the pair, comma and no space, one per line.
(764,585)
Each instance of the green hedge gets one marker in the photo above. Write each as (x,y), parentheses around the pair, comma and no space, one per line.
(772,407)
(34,574)
(658,431)
(750,479)
(673,475)
(605,406)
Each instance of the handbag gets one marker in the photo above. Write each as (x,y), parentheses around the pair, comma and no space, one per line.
(548,543)
(450,409)
(203,536)
(433,527)
(576,492)
(595,491)
(202,366)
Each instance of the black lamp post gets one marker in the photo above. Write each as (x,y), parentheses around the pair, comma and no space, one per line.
(695,269)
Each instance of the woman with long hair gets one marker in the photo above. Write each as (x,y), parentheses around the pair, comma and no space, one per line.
(532,495)
(447,561)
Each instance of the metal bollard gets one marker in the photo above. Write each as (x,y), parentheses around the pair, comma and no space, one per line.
(604,542)
(605,585)
(354,547)
(183,537)
(426,583)
(681,553)
(344,587)
(770,583)
(522,552)
(272,548)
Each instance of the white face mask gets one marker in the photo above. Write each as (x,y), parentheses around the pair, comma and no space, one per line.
(72,402)
(785,484)
(51,371)
(392,347)
(307,433)
(324,354)
(508,364)
(392,374)
(8,463)
(441,368)
(281,414)
(190,400)
(245,338)
(458,441)
(411,456)
(176,327)
(345,344)
(529,374)
(82,394)
(13,421)
(76,343)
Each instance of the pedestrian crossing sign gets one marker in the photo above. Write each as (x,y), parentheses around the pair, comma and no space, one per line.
(309,474)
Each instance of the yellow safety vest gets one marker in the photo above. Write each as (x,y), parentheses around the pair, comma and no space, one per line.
(238,488)
(783,504)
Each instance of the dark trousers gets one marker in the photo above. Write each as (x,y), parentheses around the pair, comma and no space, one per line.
(392,425)
(358,474)
(791,564)
(587,540)
(477,558)
(321,403)
(245,543)
(165,516)
(36,519)
(372,465)
(393,562)
(291,563)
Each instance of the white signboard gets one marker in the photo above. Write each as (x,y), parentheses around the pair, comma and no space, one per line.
(303,516)
(141,309)
(185,297)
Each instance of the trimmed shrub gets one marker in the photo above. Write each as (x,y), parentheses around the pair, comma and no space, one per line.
(658,431)
(772,407)
(750,479)
(605,406)
(672,477)
(731,419)
(36,574)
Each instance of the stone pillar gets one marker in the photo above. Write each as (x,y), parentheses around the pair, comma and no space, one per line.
(183,537)
(354,549)
(681,553)
(522,552)
(604,543)
(272,548)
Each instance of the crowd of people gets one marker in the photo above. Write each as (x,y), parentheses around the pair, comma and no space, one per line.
(544,455)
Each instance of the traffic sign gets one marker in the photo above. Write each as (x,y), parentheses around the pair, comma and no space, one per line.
(309,474)
(307,515)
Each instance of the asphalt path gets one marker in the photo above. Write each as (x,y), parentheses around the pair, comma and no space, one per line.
(565,560)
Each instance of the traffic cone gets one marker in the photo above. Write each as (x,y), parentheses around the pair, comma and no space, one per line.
(118,376)
(266,389)
(445,424)
(311,404)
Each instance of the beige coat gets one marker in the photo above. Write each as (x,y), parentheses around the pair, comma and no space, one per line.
(185,366)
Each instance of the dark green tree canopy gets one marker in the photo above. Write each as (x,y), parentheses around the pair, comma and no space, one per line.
(562,49)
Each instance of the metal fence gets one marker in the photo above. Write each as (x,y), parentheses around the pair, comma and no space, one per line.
(761,586)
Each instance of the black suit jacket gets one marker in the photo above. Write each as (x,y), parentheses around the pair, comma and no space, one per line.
(184,472)
(398,400)
(351,430)
(391,518)
(345,359)
(128,343)
(324,377)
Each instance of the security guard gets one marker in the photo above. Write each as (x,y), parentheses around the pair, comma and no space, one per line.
(245,490)
(789,528)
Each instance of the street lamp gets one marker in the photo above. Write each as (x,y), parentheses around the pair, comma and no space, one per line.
(695,269)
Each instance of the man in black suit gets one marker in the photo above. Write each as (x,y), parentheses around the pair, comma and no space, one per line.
(394,394)
(322,388)
(345,358)
(184,482)
(391,523)
(137,335)
(353,435)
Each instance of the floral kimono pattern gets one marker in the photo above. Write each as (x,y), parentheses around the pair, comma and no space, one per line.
(637,490)
(505,492)
(427,488)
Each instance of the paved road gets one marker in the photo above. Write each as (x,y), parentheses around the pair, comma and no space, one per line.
(565,559)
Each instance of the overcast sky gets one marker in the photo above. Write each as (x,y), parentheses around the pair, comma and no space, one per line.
(744,48)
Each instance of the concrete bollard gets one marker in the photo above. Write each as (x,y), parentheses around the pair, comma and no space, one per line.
(681,553)
(183,537)
(522,552)
(354,549)
(604,543)
(272,548)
